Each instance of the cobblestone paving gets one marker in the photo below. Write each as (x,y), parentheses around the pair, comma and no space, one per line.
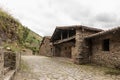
(46,68)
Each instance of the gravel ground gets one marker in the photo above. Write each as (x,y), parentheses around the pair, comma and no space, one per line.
(47,68)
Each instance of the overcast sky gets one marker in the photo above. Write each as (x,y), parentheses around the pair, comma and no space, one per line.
(42,16)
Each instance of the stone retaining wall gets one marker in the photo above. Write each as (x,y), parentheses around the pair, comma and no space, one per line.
(1,65)
(18,61)
(8,61)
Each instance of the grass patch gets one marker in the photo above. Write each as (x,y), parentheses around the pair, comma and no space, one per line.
(24,66)
(13,46)
(113,71)
(105,70)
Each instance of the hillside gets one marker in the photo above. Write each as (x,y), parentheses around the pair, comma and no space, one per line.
(16,36)
(33,41)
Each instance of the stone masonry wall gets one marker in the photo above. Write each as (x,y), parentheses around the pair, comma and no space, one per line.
(1,65)
(18,61)
(107,58)
(65,49)
(79,55)
(46,48)
(9,59)
(56,50)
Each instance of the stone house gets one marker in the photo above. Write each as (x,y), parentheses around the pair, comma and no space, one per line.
(68,41)
(86,45)
(45,47)
(105,48)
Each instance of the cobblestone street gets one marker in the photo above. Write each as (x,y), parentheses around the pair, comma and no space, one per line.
(47,68)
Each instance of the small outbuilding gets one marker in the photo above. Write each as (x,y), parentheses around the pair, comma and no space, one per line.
(46,47)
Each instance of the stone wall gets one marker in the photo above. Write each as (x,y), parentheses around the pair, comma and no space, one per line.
(80,56)
(1,65)
(9,59)
(56,50)
(109,58)
(18,61)
(65,49)
(46,48)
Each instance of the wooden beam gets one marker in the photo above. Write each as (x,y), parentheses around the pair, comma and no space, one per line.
(64,40)
(68,34)
(61,35)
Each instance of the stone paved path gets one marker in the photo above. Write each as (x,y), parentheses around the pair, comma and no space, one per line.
(46,68)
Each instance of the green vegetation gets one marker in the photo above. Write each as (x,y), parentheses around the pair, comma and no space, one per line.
(16,36)
(24,66)
(12,46)
(106,70)
(113,72)
(32,41)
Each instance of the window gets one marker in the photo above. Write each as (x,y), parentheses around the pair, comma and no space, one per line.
(105,45)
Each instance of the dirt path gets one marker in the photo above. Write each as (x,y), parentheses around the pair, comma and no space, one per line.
(46,68)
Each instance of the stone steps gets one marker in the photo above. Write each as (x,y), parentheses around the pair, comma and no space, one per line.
(9,75)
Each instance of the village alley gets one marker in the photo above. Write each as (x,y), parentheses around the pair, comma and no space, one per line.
(56,68)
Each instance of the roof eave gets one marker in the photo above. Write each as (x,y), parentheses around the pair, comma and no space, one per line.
(102,33)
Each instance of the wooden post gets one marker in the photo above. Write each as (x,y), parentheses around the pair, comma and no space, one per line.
(61,35)
(68,34)
(18,61)
(53,50)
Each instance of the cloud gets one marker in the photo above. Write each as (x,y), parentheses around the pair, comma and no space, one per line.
(71,8)
(42,16)
(106,17)
(106,20)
